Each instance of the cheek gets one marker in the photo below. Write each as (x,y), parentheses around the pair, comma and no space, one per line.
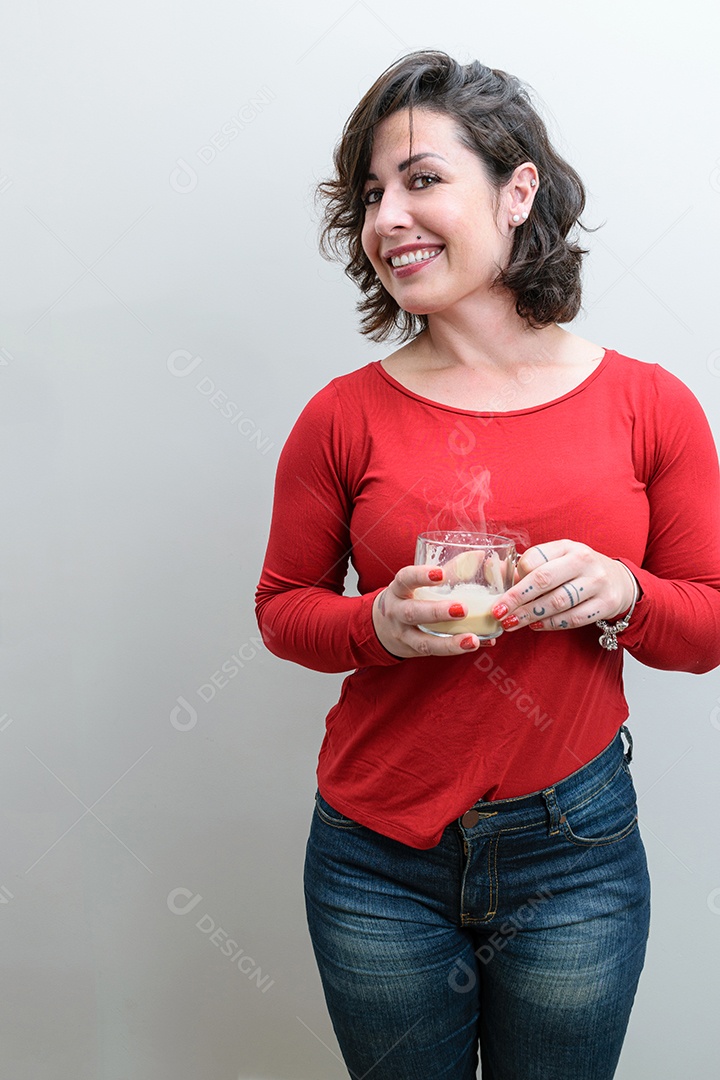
(370,245)
(369,241)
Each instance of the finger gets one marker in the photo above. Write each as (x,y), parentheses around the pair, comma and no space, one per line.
(426,611)
(432,645)
(569,604)
(541,554)
(421,603)
(410,578)
(584,615)
(529,596)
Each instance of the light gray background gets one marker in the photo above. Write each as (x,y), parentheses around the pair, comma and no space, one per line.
(138,242)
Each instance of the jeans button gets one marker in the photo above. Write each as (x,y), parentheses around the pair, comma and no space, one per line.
(470,818)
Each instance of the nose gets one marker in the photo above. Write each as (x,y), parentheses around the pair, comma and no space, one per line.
(393,212)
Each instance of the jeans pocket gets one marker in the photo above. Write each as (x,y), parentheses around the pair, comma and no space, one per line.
(605,816)
(331,816)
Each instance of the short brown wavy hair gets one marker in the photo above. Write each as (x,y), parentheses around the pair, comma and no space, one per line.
(498,121)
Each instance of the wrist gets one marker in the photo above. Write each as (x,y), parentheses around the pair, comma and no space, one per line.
(632,597)
(608,638)
(378,615)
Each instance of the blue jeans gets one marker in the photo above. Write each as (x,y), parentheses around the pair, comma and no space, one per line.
(522,932)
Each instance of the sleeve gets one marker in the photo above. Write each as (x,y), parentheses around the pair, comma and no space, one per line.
(676,622)
(301,610)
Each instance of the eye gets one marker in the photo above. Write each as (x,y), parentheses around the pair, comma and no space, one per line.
(419,181)
(371,197)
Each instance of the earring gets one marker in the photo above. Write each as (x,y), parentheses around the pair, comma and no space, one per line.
(532,183)
(516,217)
(524,216)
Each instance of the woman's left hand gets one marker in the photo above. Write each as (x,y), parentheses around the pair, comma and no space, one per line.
(562,585)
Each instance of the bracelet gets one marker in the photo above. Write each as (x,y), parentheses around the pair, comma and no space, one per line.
(608,639)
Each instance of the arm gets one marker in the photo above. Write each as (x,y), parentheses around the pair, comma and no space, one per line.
(676,622)
(301,611)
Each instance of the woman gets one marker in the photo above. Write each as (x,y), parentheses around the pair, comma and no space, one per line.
(475,874)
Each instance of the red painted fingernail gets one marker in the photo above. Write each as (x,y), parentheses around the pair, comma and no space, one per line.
(510,622)
(435,575)
(456,611)
(467,643)
(500,611)
(535,626)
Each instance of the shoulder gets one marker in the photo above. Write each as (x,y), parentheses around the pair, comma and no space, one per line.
(335,413)
(360,381)
(349,398)
(668,422)
(651,385)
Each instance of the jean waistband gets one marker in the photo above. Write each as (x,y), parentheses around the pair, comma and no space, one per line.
(578,785)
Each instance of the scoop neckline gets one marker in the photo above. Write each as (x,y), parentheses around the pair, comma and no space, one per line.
(609,354)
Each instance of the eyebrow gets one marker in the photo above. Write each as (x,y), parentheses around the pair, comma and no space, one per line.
(411,161)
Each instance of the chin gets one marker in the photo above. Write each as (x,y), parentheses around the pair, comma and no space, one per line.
(420,308)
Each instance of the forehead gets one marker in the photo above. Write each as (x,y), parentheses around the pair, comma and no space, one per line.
(432,132)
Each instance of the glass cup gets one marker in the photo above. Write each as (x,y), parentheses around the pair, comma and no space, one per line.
(477,569)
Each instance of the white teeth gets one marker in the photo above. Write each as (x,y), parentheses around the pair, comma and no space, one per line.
(414,257)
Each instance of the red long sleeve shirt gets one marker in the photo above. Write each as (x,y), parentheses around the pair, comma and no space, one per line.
(625,463)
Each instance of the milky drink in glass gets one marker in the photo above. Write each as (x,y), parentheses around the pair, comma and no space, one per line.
(477,569)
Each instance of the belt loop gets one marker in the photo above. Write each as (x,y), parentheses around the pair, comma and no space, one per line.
(553,810)
(628,754)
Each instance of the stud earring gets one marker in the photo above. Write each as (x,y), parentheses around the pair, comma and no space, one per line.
(516,217)
(524,216)
(532,183)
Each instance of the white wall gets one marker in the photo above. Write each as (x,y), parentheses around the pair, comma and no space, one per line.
(134,515)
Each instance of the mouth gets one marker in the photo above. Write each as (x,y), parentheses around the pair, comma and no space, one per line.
(408,260)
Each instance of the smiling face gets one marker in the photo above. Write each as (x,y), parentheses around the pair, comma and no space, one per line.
(442,195)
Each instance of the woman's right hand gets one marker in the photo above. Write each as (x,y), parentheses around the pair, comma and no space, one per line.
(396,614)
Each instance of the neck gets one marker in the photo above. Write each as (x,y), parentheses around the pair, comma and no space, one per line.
(491,335)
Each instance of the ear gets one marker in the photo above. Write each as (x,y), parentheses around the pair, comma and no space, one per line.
(520,192)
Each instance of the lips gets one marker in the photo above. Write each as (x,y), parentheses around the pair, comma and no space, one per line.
(411,258)
(414,257)
(410,253)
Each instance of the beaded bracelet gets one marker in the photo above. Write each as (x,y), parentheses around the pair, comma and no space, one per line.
(608,639)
